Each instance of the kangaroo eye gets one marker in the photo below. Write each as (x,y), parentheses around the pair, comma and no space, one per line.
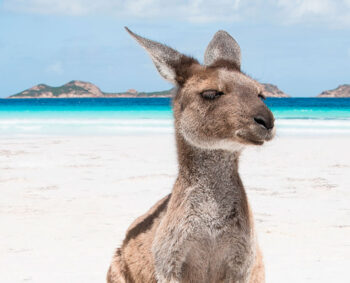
(211,94)
(261,96)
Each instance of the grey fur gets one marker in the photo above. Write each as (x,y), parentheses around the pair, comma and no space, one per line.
(204,231)
(223,47)
(211,224)
(162,55)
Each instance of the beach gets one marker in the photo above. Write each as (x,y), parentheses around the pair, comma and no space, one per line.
(87,140)
(68,200)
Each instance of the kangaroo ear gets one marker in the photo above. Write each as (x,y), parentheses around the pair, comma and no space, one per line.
(223,48)
(172,65)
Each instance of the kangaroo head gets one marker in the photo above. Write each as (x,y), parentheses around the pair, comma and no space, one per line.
(216,106)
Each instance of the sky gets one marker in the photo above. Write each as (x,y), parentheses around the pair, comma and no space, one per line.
(303,47)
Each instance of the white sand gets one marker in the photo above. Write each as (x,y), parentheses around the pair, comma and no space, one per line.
(66,202)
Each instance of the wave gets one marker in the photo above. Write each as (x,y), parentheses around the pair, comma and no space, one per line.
(163,122)
(84,126)
(86,121)
(313,123)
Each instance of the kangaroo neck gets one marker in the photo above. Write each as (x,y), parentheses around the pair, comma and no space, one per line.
(210,176)
(213,168)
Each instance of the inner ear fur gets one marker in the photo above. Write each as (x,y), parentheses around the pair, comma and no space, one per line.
(223,51)
(171,64)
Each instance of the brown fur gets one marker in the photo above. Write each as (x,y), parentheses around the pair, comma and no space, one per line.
(204,230)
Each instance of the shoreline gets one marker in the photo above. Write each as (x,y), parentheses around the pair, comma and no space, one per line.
(122,96)
(165,96)
(160,96)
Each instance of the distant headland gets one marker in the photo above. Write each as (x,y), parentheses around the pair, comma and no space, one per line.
(340,91)
(80,89)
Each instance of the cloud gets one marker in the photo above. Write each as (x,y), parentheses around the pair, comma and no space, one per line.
(55,68)
(63,7)
(195,10)
(335,13)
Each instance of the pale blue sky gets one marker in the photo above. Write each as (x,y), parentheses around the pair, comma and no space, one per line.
(301,46)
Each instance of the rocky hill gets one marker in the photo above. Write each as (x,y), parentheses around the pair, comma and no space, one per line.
(71,89)
(85,89)
(271,90)
(81,89)
(340,91)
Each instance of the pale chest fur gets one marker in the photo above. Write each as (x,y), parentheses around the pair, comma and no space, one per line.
(214,233)
(220,231)
(206,234)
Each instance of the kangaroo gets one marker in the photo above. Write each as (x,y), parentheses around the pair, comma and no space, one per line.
(203,231)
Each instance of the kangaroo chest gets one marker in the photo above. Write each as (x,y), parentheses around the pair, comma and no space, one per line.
(220,241)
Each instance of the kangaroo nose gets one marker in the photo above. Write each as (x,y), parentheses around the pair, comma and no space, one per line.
(266,123)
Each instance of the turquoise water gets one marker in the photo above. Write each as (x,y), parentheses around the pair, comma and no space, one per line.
(120,116)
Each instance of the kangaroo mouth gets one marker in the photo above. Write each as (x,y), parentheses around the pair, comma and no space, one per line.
(255,136)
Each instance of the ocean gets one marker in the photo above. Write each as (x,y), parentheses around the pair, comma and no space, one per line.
(123,116)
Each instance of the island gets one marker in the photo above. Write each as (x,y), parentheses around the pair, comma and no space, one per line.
(271,90)
(80,89)
(340,91)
